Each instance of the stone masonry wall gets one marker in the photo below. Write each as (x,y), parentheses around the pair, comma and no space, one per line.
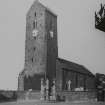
(77,96)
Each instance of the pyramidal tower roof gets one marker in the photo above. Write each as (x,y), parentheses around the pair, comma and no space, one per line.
(44,6)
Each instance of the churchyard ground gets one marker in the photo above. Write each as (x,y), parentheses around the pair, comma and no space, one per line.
(52,103)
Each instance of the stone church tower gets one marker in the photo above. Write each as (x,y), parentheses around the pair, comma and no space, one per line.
(41,49)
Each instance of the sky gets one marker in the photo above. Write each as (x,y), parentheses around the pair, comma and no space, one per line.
(78,40)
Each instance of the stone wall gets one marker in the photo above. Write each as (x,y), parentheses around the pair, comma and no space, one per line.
(35,46)
(52,47)
(33,82)
(21,95)
(26,95)
(64,95)
(77,96)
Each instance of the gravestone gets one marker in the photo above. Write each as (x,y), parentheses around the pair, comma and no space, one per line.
(54,91)
(42,89)
(69,85)
(47,89)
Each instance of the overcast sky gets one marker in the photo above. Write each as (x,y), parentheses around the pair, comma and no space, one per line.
(78,40)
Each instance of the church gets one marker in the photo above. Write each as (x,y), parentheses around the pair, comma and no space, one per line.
(41,56)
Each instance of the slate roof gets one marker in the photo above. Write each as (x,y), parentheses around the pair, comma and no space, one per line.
(75,67)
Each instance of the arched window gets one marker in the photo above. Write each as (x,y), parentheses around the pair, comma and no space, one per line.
(32,60)
(35,24)
(35,14)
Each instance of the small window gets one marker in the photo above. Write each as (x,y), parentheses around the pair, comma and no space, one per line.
(34,38)
(35,14)
(35,24)
(34,48)
(32,60)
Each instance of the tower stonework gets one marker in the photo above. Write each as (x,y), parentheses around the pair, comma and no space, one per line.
(41,48)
